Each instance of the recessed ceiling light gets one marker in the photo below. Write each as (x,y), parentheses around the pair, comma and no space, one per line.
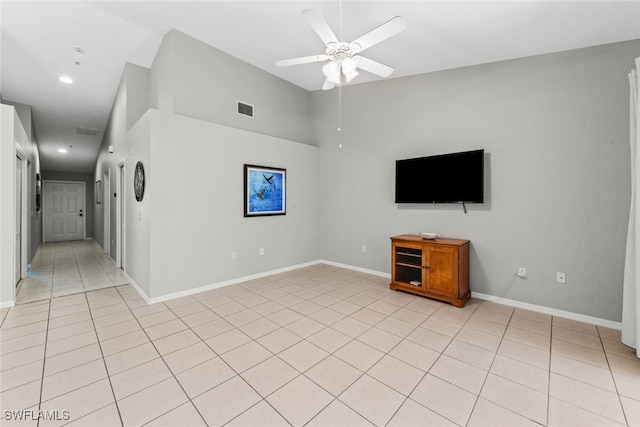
(62,150)
(66,79)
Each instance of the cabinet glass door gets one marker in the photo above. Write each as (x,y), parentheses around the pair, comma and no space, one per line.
(408,266)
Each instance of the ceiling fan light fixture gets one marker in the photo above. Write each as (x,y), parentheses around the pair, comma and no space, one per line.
(348,66)
(350,76)
(344,57)
(349,69)
(331,70)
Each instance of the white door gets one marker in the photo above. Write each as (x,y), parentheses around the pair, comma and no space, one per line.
(64,211)
(18,229)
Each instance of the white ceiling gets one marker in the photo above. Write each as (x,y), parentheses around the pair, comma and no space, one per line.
(38,41)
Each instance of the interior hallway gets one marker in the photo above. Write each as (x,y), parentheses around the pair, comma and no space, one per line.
(65,268)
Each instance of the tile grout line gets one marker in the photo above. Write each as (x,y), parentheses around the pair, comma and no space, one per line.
(104,363)
(165,363)
(358,338)
(613,378)
(44,362)
(488,370)
(549,369)
(333,398)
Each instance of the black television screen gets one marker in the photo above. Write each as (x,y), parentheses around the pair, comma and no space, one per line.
(445,178)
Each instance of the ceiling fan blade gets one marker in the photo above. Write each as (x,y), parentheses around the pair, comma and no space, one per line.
(328,85)
(373,66)
(388,29)
(320,26)
(301,60)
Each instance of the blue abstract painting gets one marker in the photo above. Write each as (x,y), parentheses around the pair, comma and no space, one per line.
(264,191)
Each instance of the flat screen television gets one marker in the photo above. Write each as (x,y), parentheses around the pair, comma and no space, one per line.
(445,178)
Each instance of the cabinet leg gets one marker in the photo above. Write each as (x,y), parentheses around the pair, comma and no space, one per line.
(462,301)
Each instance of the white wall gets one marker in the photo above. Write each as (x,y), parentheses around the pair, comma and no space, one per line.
(138,214)
(181,235)
(131,101)
(556,132)
(194,202)
(12,133)
(25,114)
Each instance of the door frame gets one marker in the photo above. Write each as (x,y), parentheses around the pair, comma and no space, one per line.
(106,213)
(24,205)
(44,206)
(120,214)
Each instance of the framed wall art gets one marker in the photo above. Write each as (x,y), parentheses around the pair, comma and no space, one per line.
(264,191)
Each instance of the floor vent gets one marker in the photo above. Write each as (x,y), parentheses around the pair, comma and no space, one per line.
(245,109)
(87,131)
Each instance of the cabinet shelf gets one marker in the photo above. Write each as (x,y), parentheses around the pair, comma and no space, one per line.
(409,254)
(436,269)
(404,264)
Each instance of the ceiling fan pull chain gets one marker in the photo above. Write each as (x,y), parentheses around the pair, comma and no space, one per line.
(340,18)
(340,109)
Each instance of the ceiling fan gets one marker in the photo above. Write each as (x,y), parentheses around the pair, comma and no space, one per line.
(344,58)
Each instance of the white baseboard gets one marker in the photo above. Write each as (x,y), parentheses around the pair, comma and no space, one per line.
(137,288)
(7,304)
(552,311)
(354,268)
(214,285)
(505,301)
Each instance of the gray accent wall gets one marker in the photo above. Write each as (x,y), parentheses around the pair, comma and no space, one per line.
(191,78)
(555,130)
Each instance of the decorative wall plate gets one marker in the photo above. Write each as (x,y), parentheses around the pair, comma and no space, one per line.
(138,181)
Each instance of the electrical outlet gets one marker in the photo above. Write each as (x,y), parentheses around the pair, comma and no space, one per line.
(364,248)
(560,277)
(261,251)
(522,273)
(234,256)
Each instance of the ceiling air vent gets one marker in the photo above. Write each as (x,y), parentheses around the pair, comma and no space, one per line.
(245,109)
(87,131)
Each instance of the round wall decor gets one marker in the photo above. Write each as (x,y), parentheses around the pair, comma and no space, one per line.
(138,181)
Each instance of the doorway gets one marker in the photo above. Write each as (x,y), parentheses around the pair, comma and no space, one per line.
(106,213)
(120,216)
(64,207)
(18,223)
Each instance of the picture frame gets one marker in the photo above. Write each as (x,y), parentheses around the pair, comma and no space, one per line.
(264,191)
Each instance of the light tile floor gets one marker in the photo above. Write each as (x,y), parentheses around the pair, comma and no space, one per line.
(318,346)
(65,268)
